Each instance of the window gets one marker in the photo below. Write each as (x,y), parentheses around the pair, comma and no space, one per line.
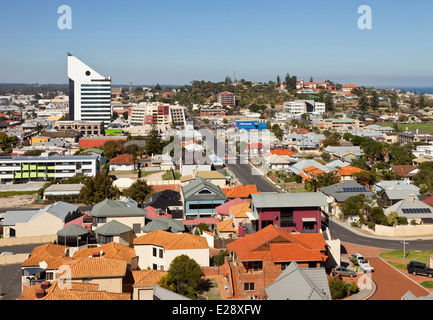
(161,253)
(154,267)
(154,252)
(104,239)
(249,286)
(287,218)
(266,223)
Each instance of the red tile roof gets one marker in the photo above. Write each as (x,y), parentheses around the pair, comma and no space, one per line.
(122,159)
(224,208)
(241,191)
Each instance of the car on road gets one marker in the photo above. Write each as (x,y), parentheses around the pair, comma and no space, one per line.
(365,265)
(344,272)
(416,267)
(355,257)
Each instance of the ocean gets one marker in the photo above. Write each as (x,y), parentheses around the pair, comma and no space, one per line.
(426,90)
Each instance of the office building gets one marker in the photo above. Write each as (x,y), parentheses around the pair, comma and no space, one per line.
(89,93)
(304,106)
(226,98)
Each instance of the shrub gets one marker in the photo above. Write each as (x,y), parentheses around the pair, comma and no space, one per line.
(298,179)
(354,224)
(371,225)
(341,289)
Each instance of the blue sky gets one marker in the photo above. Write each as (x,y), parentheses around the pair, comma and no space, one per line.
(175,42)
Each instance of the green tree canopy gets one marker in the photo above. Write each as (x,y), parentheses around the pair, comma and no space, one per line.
(98,189)
(138,191)
(154,144)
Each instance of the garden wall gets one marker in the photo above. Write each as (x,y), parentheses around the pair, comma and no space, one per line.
(407,231)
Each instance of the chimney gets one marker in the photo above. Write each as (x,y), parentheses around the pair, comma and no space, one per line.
(40,293)
(95,254)
(45,285)
(412,198)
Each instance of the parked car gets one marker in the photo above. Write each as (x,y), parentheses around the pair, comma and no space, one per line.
(344,272)
(365,265)
(355,257)
(416,267)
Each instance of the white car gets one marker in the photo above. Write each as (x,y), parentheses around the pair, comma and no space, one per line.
(355,257)
(365,265)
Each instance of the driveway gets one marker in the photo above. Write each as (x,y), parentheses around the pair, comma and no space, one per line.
(391,284)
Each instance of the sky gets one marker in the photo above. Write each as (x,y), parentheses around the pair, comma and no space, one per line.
(176,42)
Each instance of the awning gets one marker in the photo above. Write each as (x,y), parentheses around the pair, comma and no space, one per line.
(32,271)
(309,220)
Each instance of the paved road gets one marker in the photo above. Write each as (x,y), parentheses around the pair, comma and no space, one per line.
(10,282)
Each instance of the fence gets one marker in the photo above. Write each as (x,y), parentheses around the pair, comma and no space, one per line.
(14,241)
(222,243)
(410,231)
(162,182)
(13,258)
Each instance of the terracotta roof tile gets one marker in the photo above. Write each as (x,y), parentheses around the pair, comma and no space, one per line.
(241,191)
(112,250)
(52,254)
(122,159)
(226,226)
(94,267)
(239,211)
(147,278)
(171,241)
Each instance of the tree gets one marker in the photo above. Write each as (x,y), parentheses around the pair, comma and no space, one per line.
(218,260)
(377,216)
(138,191)
(125,115)
(352,206)
(278,79)
(154,143)
(421,101)
(412,102)
(112,148)
(184,277)
(392,218)
(363,103)
(276,129)
(394,101)
(97,189)
(158,87)
(374,100)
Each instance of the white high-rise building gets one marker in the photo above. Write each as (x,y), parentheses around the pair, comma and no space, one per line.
(89,93)
(304,106)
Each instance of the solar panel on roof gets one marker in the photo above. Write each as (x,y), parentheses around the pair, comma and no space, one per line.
(416,210)
(354,189)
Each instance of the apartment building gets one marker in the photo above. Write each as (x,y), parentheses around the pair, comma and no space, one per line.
(85,128)
(157,113)
(24,169)
(226,98)
(304,106)
(89,93)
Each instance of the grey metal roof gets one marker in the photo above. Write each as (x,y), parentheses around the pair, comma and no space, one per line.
(164,224)
(72,230)
(116,208)
(191,190)
(113,228)
(400,194)
(275,199)
(296,283)
(59,209)
(339,194)
(407,203)
(160,293)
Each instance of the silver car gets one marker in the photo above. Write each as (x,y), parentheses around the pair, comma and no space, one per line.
(344,272)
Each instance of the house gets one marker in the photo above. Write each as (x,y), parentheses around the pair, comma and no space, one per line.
(43,263)
(108,273)
(46,221)
(123,162)
(413,209)
(225,229)
(240,191)
(169,201)
(241,216)
(344,153)
(57,290)
(193,162)
(349,172)
(415,135)
(144,282)
(339,192)
(296,283)
(126,213)
(301,165)
(200,198)
(395,185)
(390,197)
(406,171)
(74,236)
(160,293)
(258,259)
(292,212)
(214,177)
(278,162)
(114,231)
(164,224)
(111,250)
(223,210)
(156,250)
(256,149)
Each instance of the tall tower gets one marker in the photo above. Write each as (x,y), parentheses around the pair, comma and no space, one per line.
(89,93)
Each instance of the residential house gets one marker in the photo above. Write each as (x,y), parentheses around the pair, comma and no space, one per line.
(164,224)
(225,229)
(301,165)
(240,191)
(278,162)
(126,213)
(156,250)
(349,172)
(415,135)
(144,282)
(43,263)
(347,153)
(74,236)
(193,162)
(405,171)
(258,259)
(223,210)
(114,231)
(390,197)
(413,209)
(292,212)
(338,193)
(46,221)
(296,283)
(241,216)
(169,201)
(395,185)
(200,198)
(108,273)
(214,177)
(123,162)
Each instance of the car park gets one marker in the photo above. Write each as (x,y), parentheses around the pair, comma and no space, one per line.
(344,272)
(416,267)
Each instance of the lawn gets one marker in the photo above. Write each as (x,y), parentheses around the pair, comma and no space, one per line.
(213,293)
(403,126)
(422,256)
(6,194)
(169,176)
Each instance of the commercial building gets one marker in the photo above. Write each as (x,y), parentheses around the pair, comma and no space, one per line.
(85,128)
(304,106)
(24,169)
(89,93)
(251,125)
